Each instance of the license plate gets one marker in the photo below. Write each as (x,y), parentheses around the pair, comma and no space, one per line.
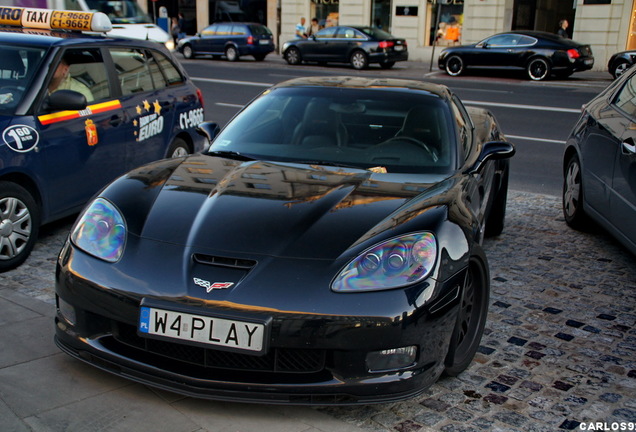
(398,48)
(589,61)
(264,41)
(202,329)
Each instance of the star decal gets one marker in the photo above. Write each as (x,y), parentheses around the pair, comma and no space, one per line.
(157,106)
(146,105)
(138,109)
(135,123)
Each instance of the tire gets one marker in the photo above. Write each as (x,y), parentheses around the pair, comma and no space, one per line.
(573,211)
(19,225)
(497,216)
(454,65)
(538,69)
(619,68)
(231,54)
(292,56)
(178,148)
(359,60)
(259,57)
(387,65)
(471,319)
(187,52)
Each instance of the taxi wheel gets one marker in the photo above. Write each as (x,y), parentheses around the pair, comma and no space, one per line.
(231,53)
(178,148)
(188,52)
(19,225)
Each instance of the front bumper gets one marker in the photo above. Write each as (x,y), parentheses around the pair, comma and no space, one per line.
(314,356)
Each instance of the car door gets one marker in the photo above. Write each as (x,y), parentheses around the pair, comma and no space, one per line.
(346,39)
(623,196)
(222,33)
(205,41)
(148,103)
(317,48)
(499,50)
(83,150)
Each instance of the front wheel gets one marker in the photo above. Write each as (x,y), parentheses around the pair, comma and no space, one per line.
(454,65)
(359,60)
(231,54)
(471,319)
(178,148)
(573,211)
(292,56)
(619,68)
(19,225)
(538,69)
(187,52)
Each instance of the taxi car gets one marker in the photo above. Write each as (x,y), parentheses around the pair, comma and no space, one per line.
(326,250)
(76,111)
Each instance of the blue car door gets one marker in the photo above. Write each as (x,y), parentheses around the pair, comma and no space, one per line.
(83,150)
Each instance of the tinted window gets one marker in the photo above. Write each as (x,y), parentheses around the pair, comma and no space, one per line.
(171,74)
(626,98)
(349,33)
(464,126)
(18,66)
(223,30)
(136,70)
(526,40)
(376,33)
(392,130)
(328,32)
(239,30)
(209,31)
(258,30)
(503,40)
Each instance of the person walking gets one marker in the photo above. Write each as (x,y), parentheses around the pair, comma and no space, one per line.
(563,26)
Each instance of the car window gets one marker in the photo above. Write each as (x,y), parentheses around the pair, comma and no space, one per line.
(137,70)
(503,40)
(328,32)
(259,30)
(376,33)
(395,131)
(18,66)
(239,30)
(208,31)
(83,71)
(526,41)
(349,33)
(171,75)
(223,30)
(464,126)
(626,98)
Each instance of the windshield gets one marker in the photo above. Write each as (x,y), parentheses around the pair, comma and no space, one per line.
(18,66)
(379,129)
(120,11)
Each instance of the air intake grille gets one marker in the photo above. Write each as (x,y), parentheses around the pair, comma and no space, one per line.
(236,263)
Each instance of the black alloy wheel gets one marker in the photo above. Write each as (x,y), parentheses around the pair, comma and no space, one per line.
(471,320)
(573,211)
(454,65)
(538,69)
(292,56)
(619,68)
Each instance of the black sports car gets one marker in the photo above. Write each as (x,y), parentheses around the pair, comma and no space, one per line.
(620,62)
(327,249)
(541,54)
(599,163)
(358,46)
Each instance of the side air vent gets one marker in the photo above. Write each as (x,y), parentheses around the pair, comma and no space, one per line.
(218,261)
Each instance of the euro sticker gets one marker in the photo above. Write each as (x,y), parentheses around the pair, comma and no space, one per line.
(20,138)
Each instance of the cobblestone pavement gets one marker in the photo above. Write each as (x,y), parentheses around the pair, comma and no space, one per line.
(559,350)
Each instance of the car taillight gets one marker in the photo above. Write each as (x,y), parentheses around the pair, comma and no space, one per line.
(250,40)
(200,96)
(574,54)
(386,44)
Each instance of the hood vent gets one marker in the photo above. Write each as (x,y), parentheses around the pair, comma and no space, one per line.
(218,261)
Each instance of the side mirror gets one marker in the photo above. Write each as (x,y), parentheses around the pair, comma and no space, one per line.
(63,100)
(492,150)
(209,130)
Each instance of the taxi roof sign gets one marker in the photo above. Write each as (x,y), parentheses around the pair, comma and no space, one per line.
(54,19)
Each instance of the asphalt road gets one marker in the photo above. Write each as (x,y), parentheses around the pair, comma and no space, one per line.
(536,116)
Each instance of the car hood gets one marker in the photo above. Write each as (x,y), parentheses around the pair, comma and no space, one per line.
(215,205)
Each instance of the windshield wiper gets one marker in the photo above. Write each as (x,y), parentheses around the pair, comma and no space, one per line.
(326,163)
(231,155)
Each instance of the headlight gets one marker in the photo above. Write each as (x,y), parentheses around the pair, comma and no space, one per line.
(395,263)
(101,231)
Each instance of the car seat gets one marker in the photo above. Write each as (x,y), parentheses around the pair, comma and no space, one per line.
(320,126)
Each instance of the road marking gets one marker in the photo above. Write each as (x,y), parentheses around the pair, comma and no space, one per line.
(534,139)
(527,107)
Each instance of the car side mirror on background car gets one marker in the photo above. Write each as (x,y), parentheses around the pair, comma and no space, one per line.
(62,100)
(209,130)
(492,150)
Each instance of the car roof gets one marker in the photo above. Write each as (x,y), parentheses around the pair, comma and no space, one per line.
(369,83)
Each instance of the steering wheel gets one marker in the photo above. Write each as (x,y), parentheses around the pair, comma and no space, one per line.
(415,142)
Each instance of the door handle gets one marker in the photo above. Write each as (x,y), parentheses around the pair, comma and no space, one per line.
(115,120)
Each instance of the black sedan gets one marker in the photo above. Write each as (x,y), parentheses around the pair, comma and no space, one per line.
(326,250)
(540,54)
(358,46)
(620,62)
(599,163)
